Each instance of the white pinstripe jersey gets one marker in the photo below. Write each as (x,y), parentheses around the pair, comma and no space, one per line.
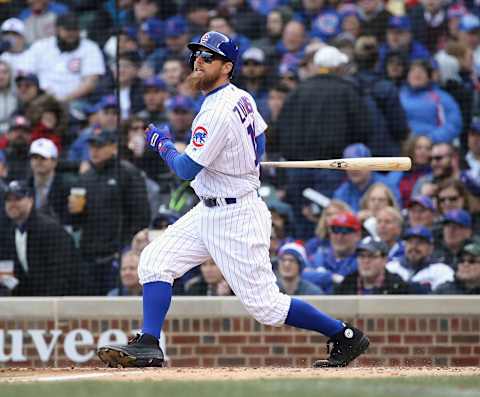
(223,142)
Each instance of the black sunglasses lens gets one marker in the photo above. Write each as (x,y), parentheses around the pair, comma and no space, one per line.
(207,57)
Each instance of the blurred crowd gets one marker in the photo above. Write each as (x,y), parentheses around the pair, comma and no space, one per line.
(81,195)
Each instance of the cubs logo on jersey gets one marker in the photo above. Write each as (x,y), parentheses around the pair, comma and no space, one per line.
(199,136)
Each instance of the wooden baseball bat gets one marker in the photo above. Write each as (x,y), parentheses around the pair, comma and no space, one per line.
(350,164)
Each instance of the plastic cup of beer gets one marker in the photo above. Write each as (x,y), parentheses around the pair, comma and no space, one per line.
(79,197)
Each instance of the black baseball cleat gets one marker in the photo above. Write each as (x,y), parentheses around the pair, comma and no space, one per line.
(141,351)
(348,344)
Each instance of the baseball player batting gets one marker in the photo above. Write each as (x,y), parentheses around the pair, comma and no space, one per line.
(231,223)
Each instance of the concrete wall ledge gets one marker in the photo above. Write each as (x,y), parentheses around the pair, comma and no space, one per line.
(208,307)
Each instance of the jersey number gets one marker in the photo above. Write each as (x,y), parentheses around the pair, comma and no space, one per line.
(251,132)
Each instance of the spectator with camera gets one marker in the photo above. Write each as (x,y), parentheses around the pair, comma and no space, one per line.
(372,278)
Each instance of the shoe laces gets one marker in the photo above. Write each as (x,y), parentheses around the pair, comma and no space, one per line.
(333,348)
(134,339)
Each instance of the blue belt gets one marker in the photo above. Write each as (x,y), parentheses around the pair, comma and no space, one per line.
(213,202)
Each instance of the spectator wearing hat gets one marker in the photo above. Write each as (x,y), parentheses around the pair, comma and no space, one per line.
(254,76)
(289,72)
(50,191)
(129,282)
(421,212)
(430,24)
(7,96)
(430,110)
(374,18)
(176,40)
(210,282)
(352,190)
(39,19)
(68,66)
(292,260)
(155,93)
(457,232)
(321,238)
(467,276)
(116,199)
(13,40)
(455,13)
(131,87)
(28,90)
(102,116)
(399,38)
(417,267)
(16,143)
(43,252)
(322,116)
(469,35)
(333,263)
(181,111)
(372,277)
(150,35)
(381,96)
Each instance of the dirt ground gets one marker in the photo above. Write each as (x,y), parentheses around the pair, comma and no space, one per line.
(22,375)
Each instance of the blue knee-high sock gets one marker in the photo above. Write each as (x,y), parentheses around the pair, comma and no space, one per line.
(303,315)
(156,301)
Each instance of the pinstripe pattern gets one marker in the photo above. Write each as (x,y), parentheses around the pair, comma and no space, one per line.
(236,236)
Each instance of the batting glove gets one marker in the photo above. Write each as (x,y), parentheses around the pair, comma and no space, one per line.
(157,137)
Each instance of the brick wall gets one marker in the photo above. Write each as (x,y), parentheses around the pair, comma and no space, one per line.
(219,340)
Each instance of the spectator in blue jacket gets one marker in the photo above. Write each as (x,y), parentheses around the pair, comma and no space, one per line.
(332,263)
(430,110)
(352,190)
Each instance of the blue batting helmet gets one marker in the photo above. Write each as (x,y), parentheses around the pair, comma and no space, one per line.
(219,44)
